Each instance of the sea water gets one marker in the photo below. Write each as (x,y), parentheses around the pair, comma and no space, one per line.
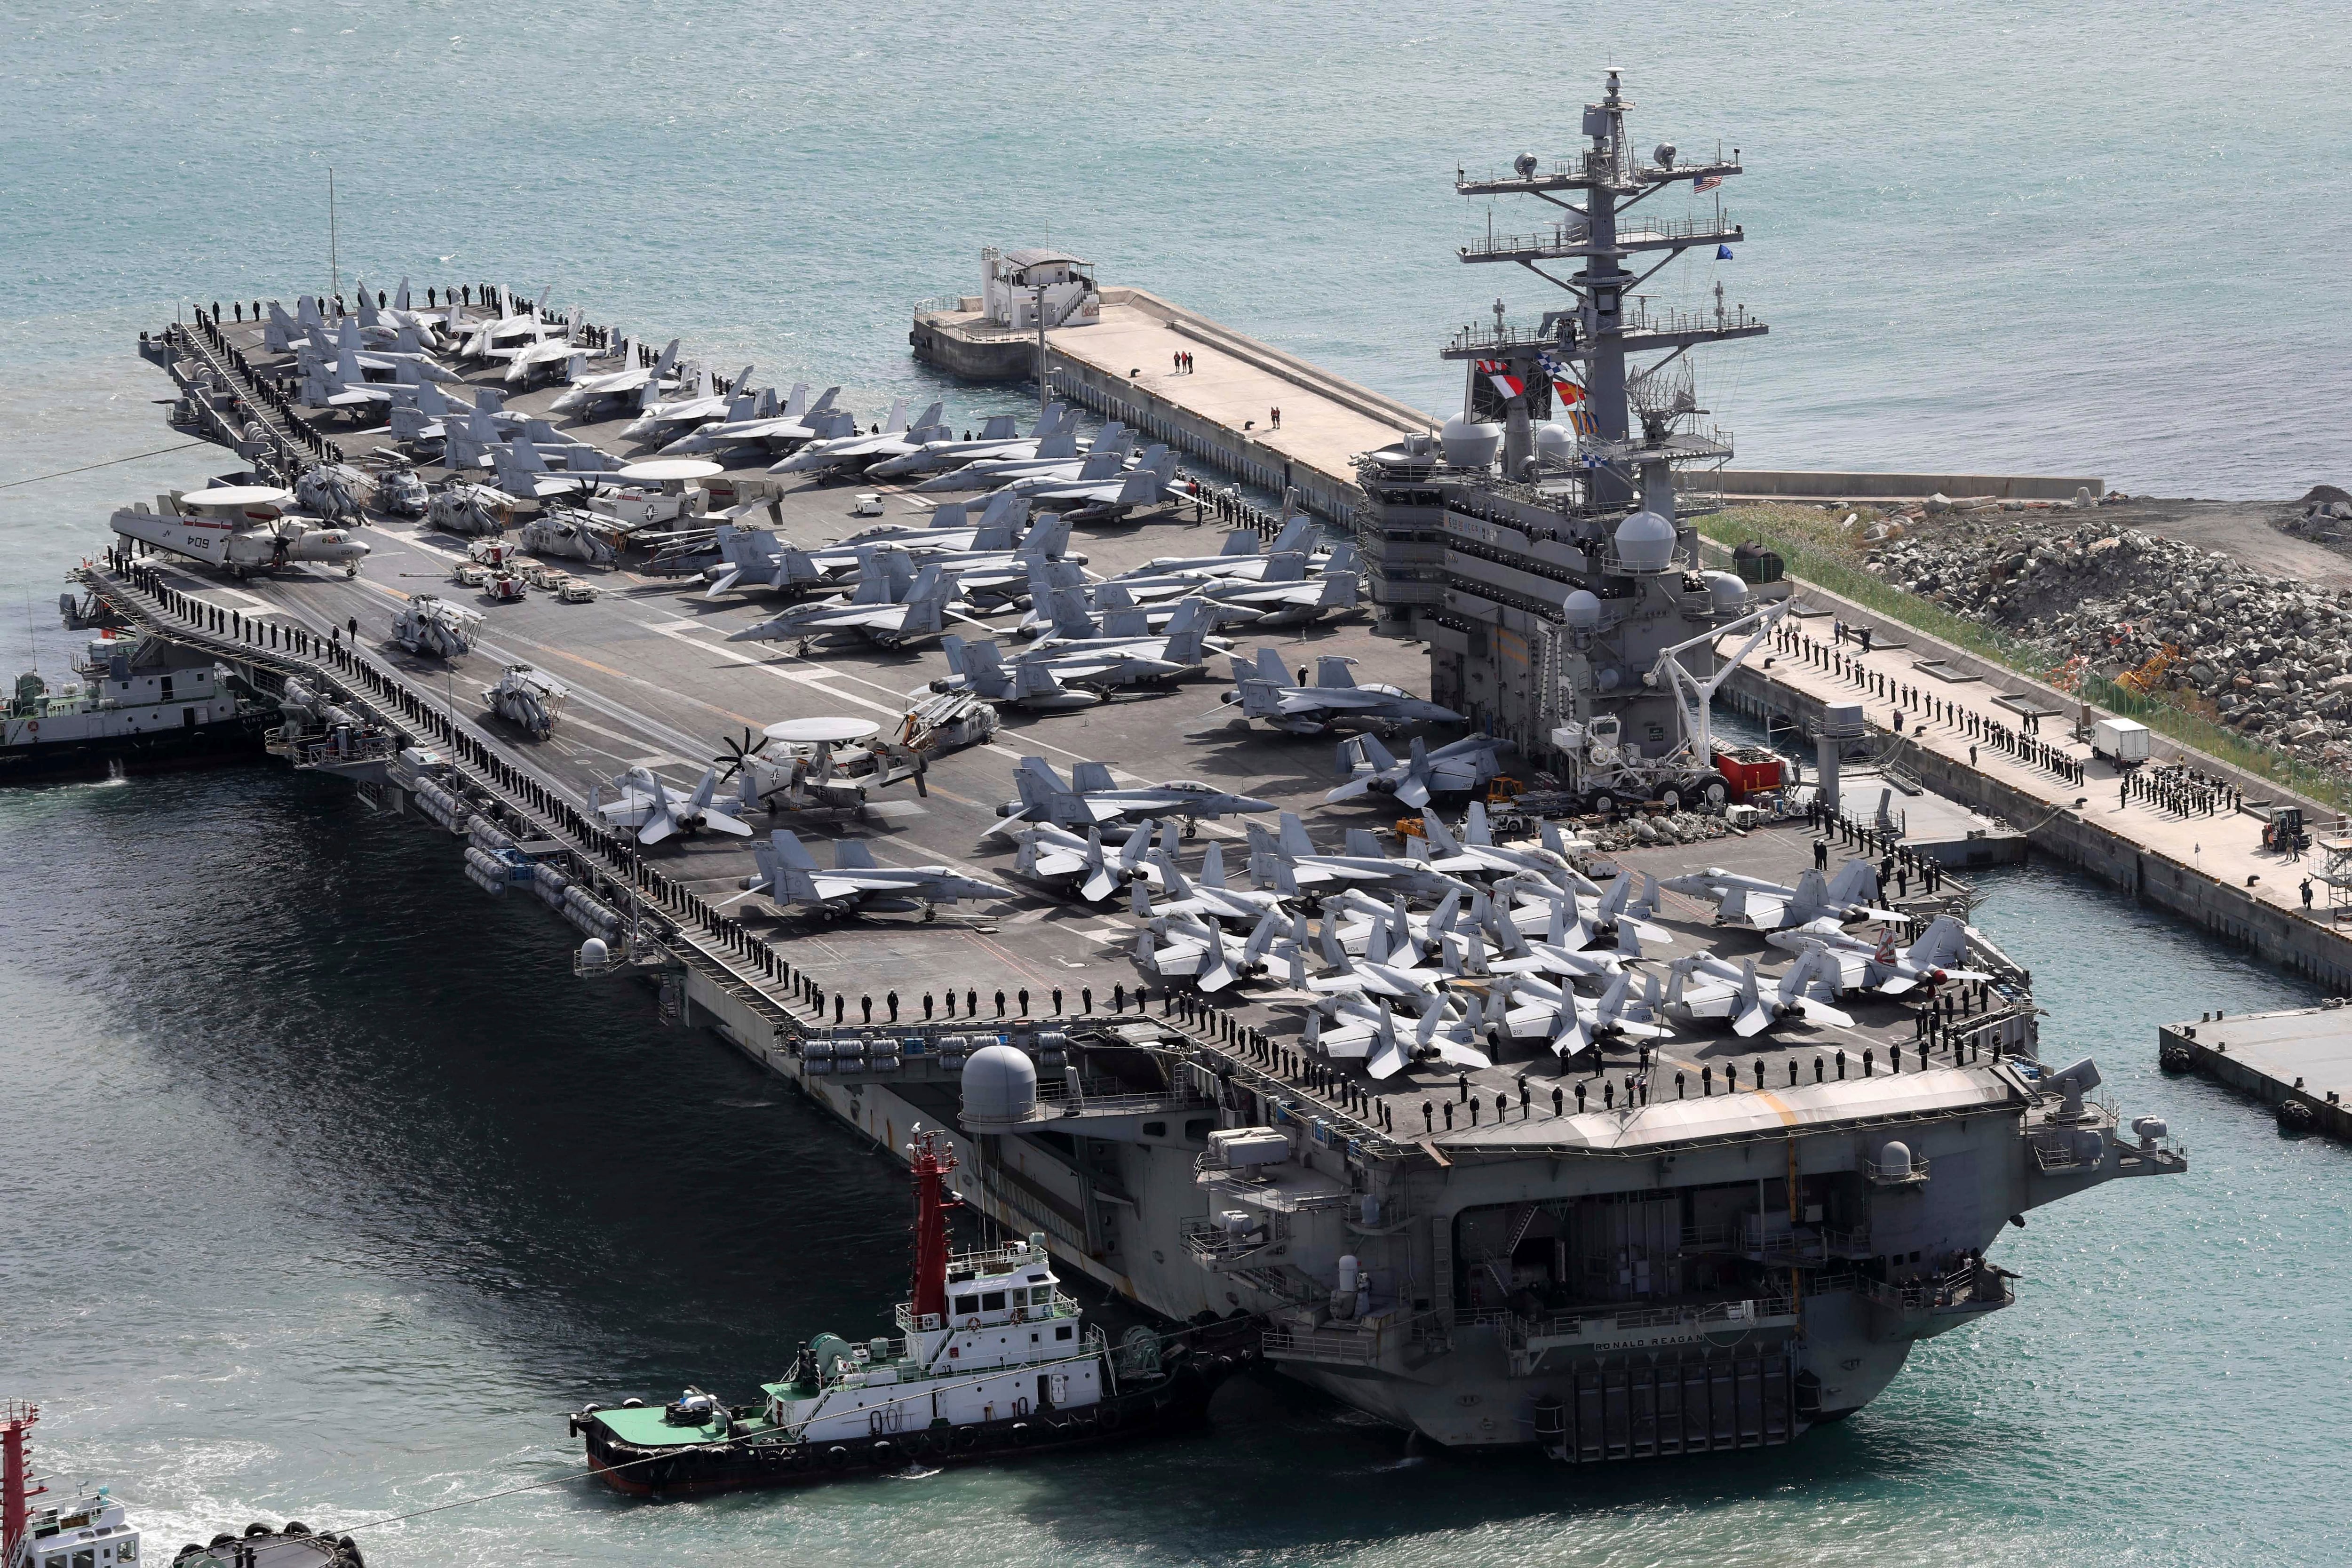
(328,1189)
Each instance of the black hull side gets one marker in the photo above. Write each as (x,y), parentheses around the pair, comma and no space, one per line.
(1176,1402)
(155,751)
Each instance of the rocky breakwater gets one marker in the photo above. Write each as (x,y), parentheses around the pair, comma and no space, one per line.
(2271,659)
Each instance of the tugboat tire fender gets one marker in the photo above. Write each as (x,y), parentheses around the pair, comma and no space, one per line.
(1021,1434)
(836,1456)
(257,1529)
(966,1440)
(295,1526)
(1109,1418)
(224,1539)
(351,1550)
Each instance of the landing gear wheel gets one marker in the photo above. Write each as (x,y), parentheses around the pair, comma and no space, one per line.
(1713,790)
(1669,795)
(1602,803)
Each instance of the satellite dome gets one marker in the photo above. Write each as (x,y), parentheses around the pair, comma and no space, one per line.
(1000,1087)
(594,951)
(1646,542)
(1581,611)
(1896,1158)
(1729,589)
(1556,444)
(1468,445)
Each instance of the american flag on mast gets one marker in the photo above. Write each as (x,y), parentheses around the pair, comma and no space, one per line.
(1499,372)
(1705,183)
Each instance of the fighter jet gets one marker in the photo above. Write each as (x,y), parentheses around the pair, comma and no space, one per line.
(953,525)
(1126,633)
(1209,899)
(1705,988)
(1571,1023)
(995,441)
(548,354)
(245,528)
(858,884)
(1454,769)
(1335,701)
(1286,601)
(1477,851)
(647,806)
(520,469)
(630,380)
(890,609)
(1184,946)
(1093,798)
(854,454)
(1739,900)
(1047,853)
(1058,456)
(1880,966)
(1293,855)
(723,424)
(1406,974)
(1108,496)
(1243,554)
(1049,683)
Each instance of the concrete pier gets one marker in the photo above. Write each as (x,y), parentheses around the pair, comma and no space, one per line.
(2299,1056)
(2213,870)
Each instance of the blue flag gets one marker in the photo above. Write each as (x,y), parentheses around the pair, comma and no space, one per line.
(1723,253)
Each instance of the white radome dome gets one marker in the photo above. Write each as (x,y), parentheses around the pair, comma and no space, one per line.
(1000,1087)
(1729,589)
(1556,444)
(1581,611)
(1646,542)
(1468,445)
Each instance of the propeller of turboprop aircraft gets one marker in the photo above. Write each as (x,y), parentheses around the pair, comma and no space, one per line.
(739,753)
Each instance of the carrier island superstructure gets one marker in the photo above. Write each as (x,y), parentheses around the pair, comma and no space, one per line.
(1500,1254)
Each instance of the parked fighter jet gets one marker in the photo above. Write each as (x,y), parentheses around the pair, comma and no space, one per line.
(722,425)
(856,883)
(1108,496)
(1738,900)
(854,454)
(1038,687)
(1477,851)
(996,441)
(1454,769)
(1184,946)
(1334,701)
(1092,797)
(1048,853)
(647,806)
(1880,966)
(890,609)
(1243,554)
(1571,1023)
(1286,601)
(1293,856)
(1057,455)
(630,380)
(520,469)
(1705,988)
(1210,898)
(245,528)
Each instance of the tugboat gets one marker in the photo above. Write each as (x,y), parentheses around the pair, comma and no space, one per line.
(990,1362)
(142,703)
(94,1529)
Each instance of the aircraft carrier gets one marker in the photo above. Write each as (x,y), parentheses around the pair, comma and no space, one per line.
(1673,1238)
